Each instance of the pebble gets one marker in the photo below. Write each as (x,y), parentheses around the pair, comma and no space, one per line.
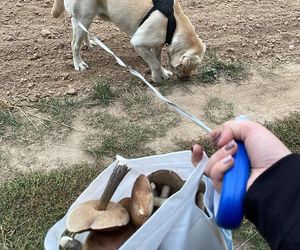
(72,91)
(30,84)
(34,57)
(23,80)
(45,32)
(291,46)
(10,38)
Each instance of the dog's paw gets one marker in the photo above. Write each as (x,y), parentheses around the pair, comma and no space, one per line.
(166,74)
(92,43)
(81,66)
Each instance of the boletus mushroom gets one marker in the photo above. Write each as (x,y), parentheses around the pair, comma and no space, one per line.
(166,180)
(141,205)
(100,214)
(200,195)
(69,243)
(113,240)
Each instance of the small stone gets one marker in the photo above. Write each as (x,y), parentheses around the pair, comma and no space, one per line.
(230,49)
(30,84)
(34,57)
(33,99)
(291,46)
(243,44)
(65,76)
(258,53)
(23,80)
(255,42)
(45,32)
(10,38)
(258,26)
(72,91)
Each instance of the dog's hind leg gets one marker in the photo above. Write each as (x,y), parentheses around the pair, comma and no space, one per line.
(78,36)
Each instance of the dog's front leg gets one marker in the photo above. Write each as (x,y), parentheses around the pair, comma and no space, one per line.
(152,61)
(166,74)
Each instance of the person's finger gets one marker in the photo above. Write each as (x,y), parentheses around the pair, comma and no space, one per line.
(237,130)
(228,150)
(219,169)
(197,154)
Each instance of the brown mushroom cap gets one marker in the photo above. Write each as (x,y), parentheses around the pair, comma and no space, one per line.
(99,240)
(141,206)
(166,177)
(125,202)
(87,217)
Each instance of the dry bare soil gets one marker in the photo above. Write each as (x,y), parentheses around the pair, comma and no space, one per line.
(36,61)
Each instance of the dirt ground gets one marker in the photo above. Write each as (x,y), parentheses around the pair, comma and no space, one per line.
(36,61)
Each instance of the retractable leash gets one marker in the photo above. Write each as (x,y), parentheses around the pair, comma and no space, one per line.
(230,211)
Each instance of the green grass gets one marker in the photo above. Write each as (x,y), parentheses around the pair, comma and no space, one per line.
(288,130)
(60,111)
(128,137)
(31,203)
(103,93)
(247,235)
(213,68)
(218,111)
(10,122)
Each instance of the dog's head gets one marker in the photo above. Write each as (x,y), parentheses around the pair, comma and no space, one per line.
(184,61)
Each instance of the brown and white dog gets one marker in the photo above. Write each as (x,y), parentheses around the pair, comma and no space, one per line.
(185,52)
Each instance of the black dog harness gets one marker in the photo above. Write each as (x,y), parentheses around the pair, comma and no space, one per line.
(167,8)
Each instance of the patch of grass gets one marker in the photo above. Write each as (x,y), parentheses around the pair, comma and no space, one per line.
(138,104)
(248,236)
(9,123)
(218,111)
(103,93)
(213,68)
(59,110)
(287,130)
(31,203)
(118,135)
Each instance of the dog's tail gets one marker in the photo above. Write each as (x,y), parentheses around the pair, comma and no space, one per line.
(58,8)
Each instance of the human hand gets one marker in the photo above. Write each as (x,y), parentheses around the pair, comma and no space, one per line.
(263,148)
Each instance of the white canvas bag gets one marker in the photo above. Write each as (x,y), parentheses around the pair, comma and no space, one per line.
(177,225)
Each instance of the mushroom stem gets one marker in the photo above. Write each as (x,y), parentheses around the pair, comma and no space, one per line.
(115,179)
(158,201)
(165,192)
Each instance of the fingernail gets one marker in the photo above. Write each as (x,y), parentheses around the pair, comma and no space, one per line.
(229,146)
(227,159)
(216,136)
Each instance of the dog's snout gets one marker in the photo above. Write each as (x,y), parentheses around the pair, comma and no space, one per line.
(184,78)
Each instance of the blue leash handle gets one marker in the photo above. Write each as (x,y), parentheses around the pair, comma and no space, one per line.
(231,207)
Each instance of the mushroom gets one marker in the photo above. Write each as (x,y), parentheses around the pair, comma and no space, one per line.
(69,243)
(100,214)
(144,199)
(102,240)
(141,205)
(200,195)
(166,179)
